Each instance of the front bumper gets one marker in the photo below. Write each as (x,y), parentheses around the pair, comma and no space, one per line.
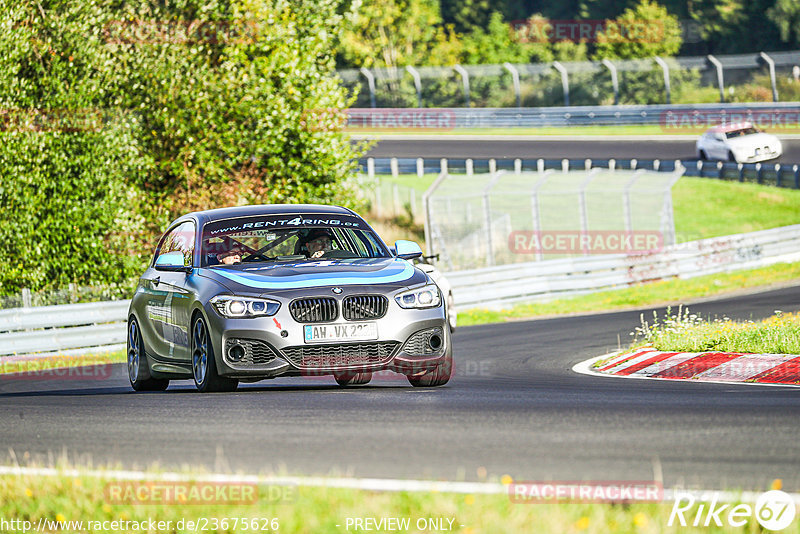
(275,346)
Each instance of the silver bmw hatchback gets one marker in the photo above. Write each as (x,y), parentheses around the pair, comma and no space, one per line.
(255,292)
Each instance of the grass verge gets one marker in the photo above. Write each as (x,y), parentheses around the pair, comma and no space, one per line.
(662,293)
(58,364)
(304,509)
(687,332)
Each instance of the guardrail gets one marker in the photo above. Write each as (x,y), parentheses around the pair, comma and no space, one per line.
(61,328)
(777,174)
(381,83)
(686,118)
(544,280)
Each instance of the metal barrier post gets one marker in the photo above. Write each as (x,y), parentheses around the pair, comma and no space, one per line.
(720,81)
(614,79)
(487,214)
(395,167)
(796,170)
(371,84)
(665,68)
(420,167)
(426,206)
(768,60)
(582,207)
(371,167)
(417,83)
(515,77)
(626,200)
(465,81)
(564,80)
(777,174)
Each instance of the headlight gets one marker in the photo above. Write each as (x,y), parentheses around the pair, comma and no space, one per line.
(423,297)
(230,306)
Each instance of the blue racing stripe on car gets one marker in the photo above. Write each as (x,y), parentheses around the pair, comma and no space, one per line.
(395,273)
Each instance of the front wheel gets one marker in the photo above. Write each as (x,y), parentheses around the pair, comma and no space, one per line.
(138,369)
(438,376)
(204,365)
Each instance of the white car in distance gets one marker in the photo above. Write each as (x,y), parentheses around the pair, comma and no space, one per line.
(740,143)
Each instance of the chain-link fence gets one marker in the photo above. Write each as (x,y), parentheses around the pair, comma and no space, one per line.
(486,219)
(730,78)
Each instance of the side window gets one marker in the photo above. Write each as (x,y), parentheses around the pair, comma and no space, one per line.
(179,239)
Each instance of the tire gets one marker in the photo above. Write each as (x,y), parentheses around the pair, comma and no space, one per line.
(452,314)
(437,377)
(731,157)
(702,156)
(353,379)
(204,364)
(138,368)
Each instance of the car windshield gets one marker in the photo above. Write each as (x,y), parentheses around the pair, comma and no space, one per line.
(288,238)
(741,132)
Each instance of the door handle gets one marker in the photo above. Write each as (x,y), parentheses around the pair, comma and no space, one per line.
(156,281)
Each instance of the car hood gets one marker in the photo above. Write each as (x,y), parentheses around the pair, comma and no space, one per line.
(256,278)
(759,139)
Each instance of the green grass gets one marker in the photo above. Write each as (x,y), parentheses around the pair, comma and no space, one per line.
(303,509)
(687,332)
(710,208)
(660,293)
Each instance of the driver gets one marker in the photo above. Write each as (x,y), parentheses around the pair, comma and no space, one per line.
(230,257)
(318,242)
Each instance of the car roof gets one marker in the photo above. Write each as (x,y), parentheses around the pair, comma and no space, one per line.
(206,216)
(724,128)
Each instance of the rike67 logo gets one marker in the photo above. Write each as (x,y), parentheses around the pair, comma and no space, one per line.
(774,510)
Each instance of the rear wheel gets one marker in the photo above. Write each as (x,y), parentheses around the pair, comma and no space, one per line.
(353,379)
(204,365)
(435,377)
(138,369)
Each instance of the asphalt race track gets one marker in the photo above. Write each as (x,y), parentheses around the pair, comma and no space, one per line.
(599,148)
(514,407)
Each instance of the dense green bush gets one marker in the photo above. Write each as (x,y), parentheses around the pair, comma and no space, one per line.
(118,116)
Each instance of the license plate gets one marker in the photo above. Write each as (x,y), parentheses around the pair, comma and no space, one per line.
(314,333)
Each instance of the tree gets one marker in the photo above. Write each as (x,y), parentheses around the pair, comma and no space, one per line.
(786,16)
(643,31)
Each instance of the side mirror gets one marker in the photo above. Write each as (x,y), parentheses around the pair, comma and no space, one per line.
(408,250)
(171,261)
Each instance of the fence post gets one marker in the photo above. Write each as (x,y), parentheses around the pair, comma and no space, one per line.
(565,165)
(720,81)
(614,80)
(777,175)
(612,164)
(469,167)
(492,165)
(587,164)
(759,175)
(26,297)
(665,68)
(417,83)
(420,167)
(796,170)
(465,82)
(371,85)
(656,164)
(768,60)
(395,167)
(564,80)
(371,168)
(741,171)
(515,77)
(517,166)
(634,163)
(540,165)
(443,165)
(398,205)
